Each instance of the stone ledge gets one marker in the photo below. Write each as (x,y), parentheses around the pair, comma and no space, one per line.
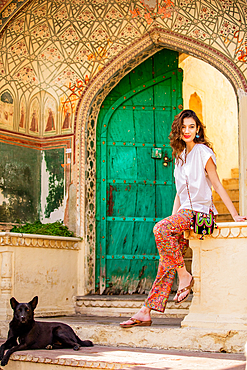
(161,337)
(219,270)
(8,239)
(224,230)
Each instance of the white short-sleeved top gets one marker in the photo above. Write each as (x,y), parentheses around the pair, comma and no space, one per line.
(199,184)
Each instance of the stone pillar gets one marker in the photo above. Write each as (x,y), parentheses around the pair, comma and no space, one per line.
(242,97)
(81,284)
(6,285)
(219,267)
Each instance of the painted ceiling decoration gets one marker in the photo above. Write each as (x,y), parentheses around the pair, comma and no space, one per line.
(51,51)
(8,9)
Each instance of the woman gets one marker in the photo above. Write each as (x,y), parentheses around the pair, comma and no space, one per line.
(195,164)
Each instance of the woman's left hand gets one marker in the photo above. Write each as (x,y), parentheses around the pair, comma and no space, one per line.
(239,218)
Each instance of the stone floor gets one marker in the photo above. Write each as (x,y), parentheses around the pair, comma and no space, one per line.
(167,322)
(105,357)
(129,356)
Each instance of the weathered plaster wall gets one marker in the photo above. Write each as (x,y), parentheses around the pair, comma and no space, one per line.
(219,110)
(32,184)
(41,265)
(19,183)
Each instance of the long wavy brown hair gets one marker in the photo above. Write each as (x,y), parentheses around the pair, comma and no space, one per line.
(177,143)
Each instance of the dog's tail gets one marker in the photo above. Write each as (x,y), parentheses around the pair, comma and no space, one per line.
(84,343)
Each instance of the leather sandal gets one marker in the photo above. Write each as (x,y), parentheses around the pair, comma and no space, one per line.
(136,323)
(189,287)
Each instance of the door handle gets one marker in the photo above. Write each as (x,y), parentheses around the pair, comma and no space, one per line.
(167,160)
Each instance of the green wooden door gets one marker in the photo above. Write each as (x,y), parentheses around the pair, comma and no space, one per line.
(135,185)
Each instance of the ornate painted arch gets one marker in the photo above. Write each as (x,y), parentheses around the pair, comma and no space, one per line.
(8,9)
(89,106)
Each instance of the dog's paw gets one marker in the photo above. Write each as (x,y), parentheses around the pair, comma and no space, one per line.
(49,346)
(76,347)
(2,350)
(4,361)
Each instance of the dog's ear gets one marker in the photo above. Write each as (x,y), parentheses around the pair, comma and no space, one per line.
(13,303)
(34,302)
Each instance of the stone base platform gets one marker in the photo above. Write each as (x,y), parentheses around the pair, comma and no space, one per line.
(164,334)
(105,357)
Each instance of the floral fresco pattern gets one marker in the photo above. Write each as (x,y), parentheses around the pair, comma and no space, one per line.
(61,46)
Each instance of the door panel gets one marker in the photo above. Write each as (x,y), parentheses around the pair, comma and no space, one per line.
(121,126)
(135,185)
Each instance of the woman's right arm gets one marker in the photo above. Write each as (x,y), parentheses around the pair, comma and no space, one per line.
(176,204)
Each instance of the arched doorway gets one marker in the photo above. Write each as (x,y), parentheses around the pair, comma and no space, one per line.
(87,115)
(135,186)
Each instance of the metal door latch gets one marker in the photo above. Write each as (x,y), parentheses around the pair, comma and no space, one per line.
(166,159)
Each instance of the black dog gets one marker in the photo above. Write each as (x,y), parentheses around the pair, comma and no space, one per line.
(33,334)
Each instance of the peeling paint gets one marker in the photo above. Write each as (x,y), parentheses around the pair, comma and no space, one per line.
(54,158)
(110,203)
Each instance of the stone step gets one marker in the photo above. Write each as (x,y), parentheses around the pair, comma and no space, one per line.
(235,172)
(233,194)
(222,209)
(231,184)
(224,218)
(125,306)
(164,333)
(137,347)
(109,357)
(232,187)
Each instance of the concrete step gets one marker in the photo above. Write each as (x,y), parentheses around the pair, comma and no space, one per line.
(125,306)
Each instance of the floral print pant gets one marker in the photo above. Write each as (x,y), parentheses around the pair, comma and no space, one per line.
(172,247)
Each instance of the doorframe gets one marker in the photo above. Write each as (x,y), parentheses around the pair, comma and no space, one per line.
(86,120)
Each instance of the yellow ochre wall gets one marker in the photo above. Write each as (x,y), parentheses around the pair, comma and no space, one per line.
(219,109)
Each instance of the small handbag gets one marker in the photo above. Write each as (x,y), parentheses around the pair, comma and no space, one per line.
(202,223)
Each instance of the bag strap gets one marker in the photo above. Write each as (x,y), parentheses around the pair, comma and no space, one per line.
(212,204)
(189,194)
